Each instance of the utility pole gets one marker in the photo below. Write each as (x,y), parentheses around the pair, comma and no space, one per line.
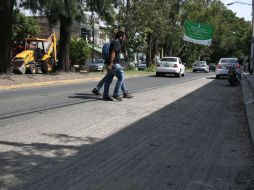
(92,23)
(252,36)
(93,35)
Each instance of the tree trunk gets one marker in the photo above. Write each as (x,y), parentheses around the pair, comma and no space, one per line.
(154,49)
(148,50)
(127,12)
(168,46)
(64,43)
(6,15)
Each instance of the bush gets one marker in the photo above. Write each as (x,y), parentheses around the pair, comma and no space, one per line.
(79,51)
(151,68)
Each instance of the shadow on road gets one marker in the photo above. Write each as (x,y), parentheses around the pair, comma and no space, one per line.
(165,76)
(85,96)
(189,144)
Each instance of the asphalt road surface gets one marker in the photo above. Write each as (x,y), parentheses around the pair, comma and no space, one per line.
(189,133)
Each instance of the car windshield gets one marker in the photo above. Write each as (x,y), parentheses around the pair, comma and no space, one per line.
(101,61)
(32,45)
(200,63)
(170,59)
(229,61)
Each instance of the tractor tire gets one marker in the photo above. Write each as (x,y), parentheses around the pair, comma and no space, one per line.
(31,69)
(44,67)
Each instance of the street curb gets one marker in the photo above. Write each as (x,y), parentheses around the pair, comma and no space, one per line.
(248,98)
(57,82)
(48,83)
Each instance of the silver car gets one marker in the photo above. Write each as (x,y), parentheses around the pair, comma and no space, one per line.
(200,66)
(97,65)
(223,66)
(141,66)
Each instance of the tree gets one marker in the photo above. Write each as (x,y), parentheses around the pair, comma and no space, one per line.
(23,27)
(162,28)
(6,15)
(231,33)
(66,11)
(153,28)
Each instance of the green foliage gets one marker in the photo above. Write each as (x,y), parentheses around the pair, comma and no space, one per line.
(79,51)
(151,68)
(157,25)
(23,27)
(231,36)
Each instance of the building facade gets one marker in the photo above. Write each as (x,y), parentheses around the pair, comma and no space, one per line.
(91,26)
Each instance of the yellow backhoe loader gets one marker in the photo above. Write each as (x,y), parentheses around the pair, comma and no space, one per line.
(39,55)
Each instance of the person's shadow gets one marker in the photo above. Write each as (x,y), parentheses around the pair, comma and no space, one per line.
(85,96)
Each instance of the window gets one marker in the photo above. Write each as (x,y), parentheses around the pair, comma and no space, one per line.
(170,59)
(85,33)
(200,62)
(230,61)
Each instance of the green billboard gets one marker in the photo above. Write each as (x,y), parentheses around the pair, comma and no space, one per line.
(198,33)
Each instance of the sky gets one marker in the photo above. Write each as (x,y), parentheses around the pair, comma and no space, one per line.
(241,10)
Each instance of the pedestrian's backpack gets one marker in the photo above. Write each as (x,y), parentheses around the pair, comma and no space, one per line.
(105,51)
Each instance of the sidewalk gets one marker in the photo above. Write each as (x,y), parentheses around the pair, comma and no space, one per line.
(161,139)
(14,81)
(248,96)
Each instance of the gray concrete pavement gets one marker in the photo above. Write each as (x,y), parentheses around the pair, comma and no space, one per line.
(248,95)
(190,135)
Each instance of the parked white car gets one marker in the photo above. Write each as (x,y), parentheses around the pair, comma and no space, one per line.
(223,66)
(170,65)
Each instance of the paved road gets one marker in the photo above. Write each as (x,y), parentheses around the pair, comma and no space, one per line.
(26,101)
(182,134)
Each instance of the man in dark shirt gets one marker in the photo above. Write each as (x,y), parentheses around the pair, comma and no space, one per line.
(115,69)
(98,87)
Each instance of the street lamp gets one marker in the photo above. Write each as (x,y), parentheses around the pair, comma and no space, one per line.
(252,37)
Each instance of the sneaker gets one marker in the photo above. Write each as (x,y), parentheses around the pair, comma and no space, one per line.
(127,95)
(96,92)
(118,98)
(107,99)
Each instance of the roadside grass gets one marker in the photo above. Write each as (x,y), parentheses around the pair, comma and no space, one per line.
(189,69)
(127,72)
(138,73)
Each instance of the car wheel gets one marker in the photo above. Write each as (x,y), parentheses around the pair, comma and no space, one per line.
(194,71)
(159,74)
(44,67)
(183,75)
(179,75)
(217,76)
